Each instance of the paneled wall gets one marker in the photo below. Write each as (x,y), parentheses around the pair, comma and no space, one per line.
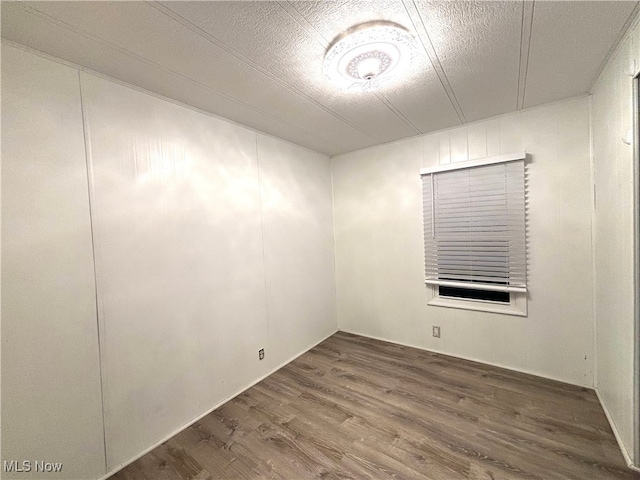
(297,219)
(613,230)
(379,245)
(51,403)
(181,291)
(211,242)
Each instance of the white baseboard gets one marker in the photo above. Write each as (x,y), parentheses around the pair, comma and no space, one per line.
(218,405)
(419,347)
(625,453)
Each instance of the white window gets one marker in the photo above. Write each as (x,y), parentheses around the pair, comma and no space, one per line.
(474,234)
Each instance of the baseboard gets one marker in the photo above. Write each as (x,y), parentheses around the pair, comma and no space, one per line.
(625,453)
(218,405)
(447,354)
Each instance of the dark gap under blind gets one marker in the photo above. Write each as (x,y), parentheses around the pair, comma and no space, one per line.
(473,294)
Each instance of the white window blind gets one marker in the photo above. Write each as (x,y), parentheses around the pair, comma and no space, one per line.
(474,224)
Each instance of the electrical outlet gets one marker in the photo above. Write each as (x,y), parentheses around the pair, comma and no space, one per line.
(436,332)
(261,354)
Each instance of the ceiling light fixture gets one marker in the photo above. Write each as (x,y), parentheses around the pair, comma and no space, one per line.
(368,55)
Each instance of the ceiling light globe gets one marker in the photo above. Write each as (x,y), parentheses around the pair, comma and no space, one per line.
(369,68)
(368,55)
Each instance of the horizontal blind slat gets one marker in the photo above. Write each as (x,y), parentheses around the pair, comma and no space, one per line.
(474,224)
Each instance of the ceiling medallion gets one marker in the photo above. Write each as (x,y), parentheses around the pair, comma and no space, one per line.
(368,55)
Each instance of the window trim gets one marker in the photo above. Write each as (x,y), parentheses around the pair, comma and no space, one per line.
(518,296)
(517,305)
(509,157)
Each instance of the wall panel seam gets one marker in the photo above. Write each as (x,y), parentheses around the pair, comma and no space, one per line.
(90,195)
(264,257)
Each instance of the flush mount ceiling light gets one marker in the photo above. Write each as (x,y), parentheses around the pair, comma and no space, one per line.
(368,55)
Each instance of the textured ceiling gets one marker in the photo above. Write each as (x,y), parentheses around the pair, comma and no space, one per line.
(260,63)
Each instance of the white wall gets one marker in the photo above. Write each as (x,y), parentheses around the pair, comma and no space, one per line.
(297,213)
(176,210)
(612,119)
(379,245)
(51,405)
(211,241)
(185,299)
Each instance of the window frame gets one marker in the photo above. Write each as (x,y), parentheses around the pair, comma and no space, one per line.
(517,299)
(517,303)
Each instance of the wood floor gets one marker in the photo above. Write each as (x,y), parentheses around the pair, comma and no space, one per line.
(358,408)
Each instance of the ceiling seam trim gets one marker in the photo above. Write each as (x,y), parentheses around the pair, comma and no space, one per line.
(397,112)
(139,58)
(525,48)
(210,38)
(633,19)
(299,18)
(159,96)
(425,41)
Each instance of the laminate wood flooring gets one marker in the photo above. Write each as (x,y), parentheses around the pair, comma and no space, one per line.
(358,408)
